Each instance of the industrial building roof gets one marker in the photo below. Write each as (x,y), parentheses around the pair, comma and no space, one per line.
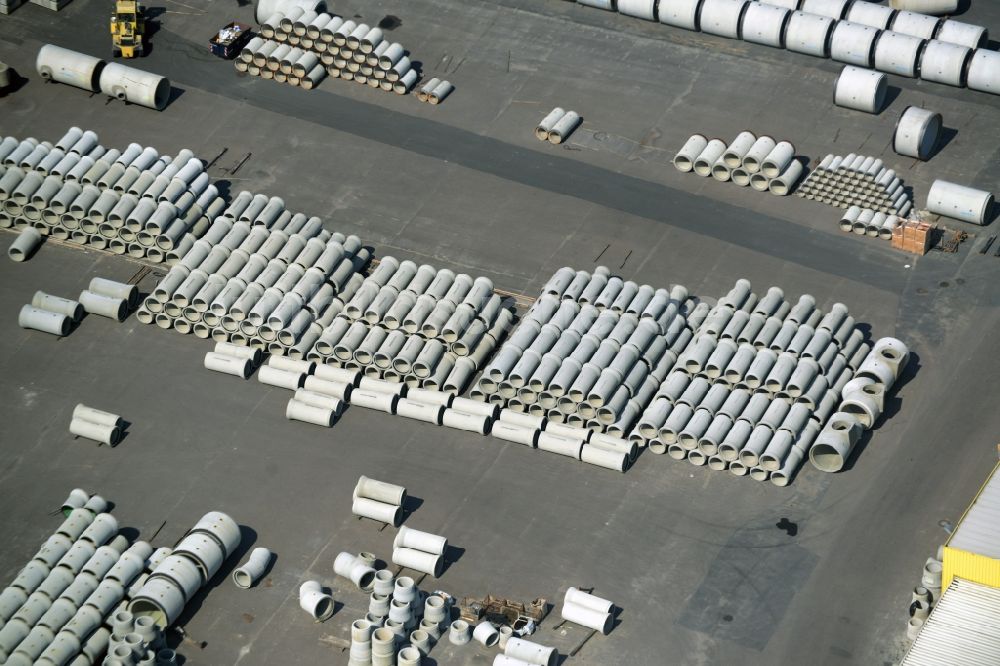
(978,532)
(963,629)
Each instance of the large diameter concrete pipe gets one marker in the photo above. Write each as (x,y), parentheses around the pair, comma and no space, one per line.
(853,43)
(607,5)
(926,6)
(684,159)
(43,320)
(737,150)
(25,245)
(946,63)
(55,63)
(227,364)
(984,71)
(809,33)
(778,160)
(964,34)
(860,89)
(765,24)
(868,13)
(680,13)
(644,9)
(916,24)
(896,53)
(960,202)
(722,17)
(380,491)
(831,8)
(917,133)
(136,86)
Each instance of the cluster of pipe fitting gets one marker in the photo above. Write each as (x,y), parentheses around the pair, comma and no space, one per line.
(128,84)
(133,201)
(55,610)
(420,551)
(301,45)
(136,641)
(378,500)
(761,162)
(557,125)
(853,32)
(588,610)
(100,426)
(860,181)
(925,595)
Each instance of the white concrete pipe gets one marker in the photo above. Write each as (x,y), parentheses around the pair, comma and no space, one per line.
(459,632)
(105,287)
(44,320)
(287,379)
(230,365)
(541,130)
(777,160)
(853,43)
(765,24)
(98,432)
(563,127)
(809,33)
(378,511)
(380,491)
(738,149)
(106,306)
(946,63)
(869,13)
(529,652)
(486,633)
(926,6)
(917,133)
(459,420)
(25,245)
(722,17)
(418,560)
(708,157)
(984,71)
(964,34)
(860,89)
(960,202)
(784,184)
(587,617)
(644,9)
(76,69)
(135,86)
(355,570)
(680,13)
(245,576)
(834,444)
(896,53)
(915,24)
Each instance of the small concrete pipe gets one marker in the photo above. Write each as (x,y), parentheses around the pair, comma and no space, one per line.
(784,184)
(860,89)
(778,159)
(960,202)
(425,541)
(106,306)
(418,560)
(722,17)
(486,634)
(378,511)
(587,617)
(708,157)
(926,6)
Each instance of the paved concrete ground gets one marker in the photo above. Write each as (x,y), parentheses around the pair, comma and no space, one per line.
(694,558)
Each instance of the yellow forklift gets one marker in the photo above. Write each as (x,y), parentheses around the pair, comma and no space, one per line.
(128,26)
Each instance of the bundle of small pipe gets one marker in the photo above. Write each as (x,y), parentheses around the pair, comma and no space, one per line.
(857,180)
(100,426)
(398,613)
(63,606)
(378,500)
(587,610)
(862,404)
(299,46)
(761,162)
(260,277)
(133,201)
(50,314)
(420,551)
(859,33)
(557,125)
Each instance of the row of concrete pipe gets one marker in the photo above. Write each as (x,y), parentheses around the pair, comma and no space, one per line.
(95,424)
(128,84)
(853,32)
(858,180)
(132,201)
(760,162)
(868,222)
(300,46)
(68,604)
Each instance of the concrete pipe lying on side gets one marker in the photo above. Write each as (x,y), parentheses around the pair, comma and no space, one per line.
(853,43)
(896,53)
(960,202)
(868,13)
(926,6)
(914,23)
(418,560)
(55,63)
(529,652)
(228,364)
(943,62)
(785,183)
(708,157)
(106,306)
(375,510)
(459,420)
(136,86)
(486,634)
(809,33)
(25,245)
(984,71)
(543,128)
(587,617)
(722,17)
(565,126)
(765,24)
(860,89)
(354,569)
(832,8)
(99,432)
(644,9)
(425,541)
(917,133)
(603,457)
(314,601)
(245,576)
(964,34)
(105,287)
(440,91)
(777,160)
(689,152)
(288,379)
(301,411)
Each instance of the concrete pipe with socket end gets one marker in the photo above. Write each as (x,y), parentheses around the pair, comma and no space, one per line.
(917,133)
(709,156)
(684,159)
(459,420)
(563,128)
(853,43)
(587,617)
(314,601)
(486,634)
(831,8)
(378,511)
(926,6)
(135,86)
(960,202)
(425,541)
(105,287)
(380,491)
(946,63)
(354,569)
(722,17)
(287,379)
(896,53)
(784,184)
(833,446)
(228,364)
(297,410)
(984,71)
(55,63)
(602,457)
(809,34)
(418,560)
(43,320)
(860,89)
(25,245)
(765,24)
(964,34)
(245,576)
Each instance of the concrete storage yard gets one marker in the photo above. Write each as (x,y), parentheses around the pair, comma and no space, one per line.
(696,560)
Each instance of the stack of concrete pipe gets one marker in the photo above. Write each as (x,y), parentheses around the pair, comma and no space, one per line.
(399,613)
(378,500)
(761,162)
(857,180)
(588,610)
(100,426)
(128,84)
(420,551)
(192,563)
(132,201)
(862,404)
(231,359)
(557,125)
(301,46)
(858,33)
(108,298)
(50,314)
(64,605)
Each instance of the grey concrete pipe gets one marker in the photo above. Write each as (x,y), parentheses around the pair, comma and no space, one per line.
(76,69)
